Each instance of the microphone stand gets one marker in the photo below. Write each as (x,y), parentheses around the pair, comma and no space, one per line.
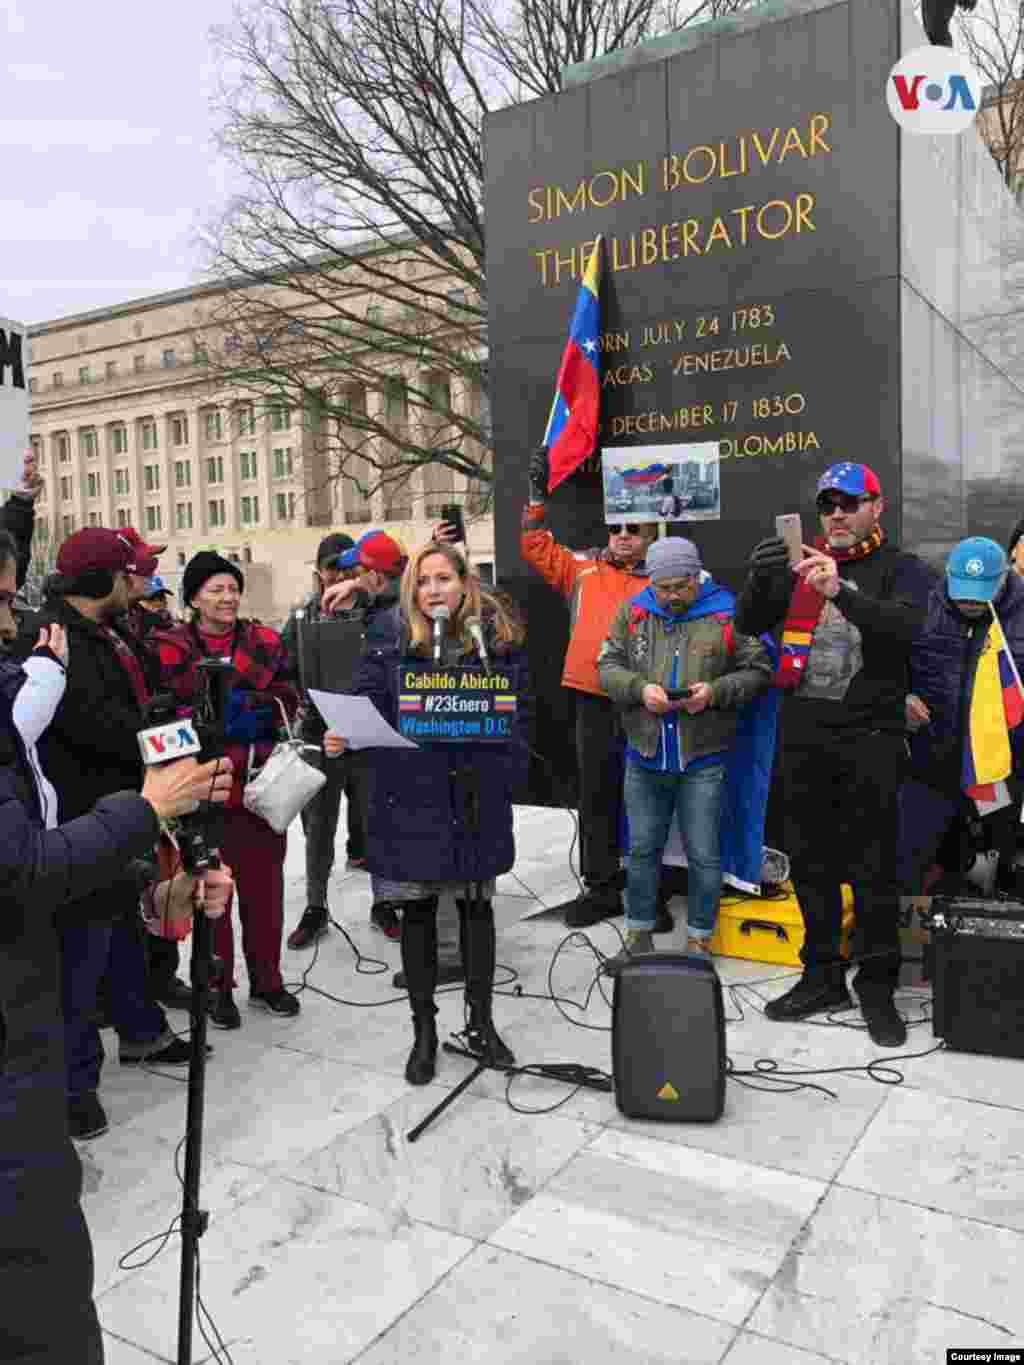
(199,854)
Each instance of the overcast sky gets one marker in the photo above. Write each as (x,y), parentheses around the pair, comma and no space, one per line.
(106,149)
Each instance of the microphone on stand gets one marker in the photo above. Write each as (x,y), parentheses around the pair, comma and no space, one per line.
(475,630)
(440,616)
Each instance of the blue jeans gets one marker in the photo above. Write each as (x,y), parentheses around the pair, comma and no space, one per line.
(695,799)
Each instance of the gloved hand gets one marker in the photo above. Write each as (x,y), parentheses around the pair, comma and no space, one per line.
(538,475)
(769,557)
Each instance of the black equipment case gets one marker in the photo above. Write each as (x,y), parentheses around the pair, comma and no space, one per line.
(978,975)
(668,1039)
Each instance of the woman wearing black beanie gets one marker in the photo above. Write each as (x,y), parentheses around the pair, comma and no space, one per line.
(212,587)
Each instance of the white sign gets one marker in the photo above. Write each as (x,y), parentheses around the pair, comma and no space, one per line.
(14,427)
(661,483)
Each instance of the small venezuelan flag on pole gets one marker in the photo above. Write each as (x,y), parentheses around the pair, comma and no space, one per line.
(996,707)
(572,426)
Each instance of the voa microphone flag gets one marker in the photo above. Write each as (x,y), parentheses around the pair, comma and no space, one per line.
(572,426)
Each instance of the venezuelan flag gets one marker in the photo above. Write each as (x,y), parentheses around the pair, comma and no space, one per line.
(638,478)
(996,707)
(572,426)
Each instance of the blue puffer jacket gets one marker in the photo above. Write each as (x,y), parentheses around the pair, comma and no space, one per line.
(942,665)
(420,802)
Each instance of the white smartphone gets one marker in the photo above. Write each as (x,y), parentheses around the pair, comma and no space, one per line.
(788,528)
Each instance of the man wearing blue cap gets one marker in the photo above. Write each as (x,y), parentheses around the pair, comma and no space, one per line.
(849,611)
(943,665)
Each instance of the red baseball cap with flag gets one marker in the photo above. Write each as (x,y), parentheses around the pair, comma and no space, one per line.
(130,534)
(375,550)
(96,547)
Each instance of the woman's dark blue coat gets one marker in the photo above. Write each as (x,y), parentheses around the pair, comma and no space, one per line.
(442,812)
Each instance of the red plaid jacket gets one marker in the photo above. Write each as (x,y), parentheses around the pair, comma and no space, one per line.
(259,664)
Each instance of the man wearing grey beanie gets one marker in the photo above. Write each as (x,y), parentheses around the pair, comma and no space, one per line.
(679,672)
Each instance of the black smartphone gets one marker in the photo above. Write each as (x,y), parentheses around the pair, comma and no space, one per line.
(679,693)
(452,514)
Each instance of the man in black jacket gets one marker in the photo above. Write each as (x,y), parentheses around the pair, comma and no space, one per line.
(849,611)
(320,817)
(47,1315)
(91,749)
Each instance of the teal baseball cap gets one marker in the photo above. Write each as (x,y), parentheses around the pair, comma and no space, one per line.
(975,570)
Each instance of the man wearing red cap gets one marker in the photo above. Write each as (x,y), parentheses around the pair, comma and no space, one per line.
(89,751)
(849,609)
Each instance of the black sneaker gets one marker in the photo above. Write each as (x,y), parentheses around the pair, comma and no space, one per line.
(277,1002)
(223,1011)
(178,1052)
(812,994)
(596,904)
(885,1023)
(384,919)
(447,975)
(312,925)
(174,994)
(86,1116)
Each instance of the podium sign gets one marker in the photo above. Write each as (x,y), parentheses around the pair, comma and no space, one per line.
(456,705)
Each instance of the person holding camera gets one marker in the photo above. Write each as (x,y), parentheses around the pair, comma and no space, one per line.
(320,816)
(679,673)
(849,609)
(51,877)
(212,588)
(595,584)
(440,816)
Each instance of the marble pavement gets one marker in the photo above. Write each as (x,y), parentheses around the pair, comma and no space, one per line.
(879,1227)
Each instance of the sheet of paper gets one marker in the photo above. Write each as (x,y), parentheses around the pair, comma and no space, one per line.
(14,421)
(358,720)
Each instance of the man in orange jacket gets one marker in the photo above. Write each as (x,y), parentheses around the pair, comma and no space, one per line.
(595,584)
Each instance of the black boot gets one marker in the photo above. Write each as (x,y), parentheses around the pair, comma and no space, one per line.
(819,990)
(419,962)
(884,1021)
(477,941)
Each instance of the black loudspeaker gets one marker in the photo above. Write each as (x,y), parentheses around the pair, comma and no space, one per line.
(668,1039)
(329,652)
(978,975)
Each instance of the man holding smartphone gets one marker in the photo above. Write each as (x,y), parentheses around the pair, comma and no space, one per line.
(678,673)
(849,611)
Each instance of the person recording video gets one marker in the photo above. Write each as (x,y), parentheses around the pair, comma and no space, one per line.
(50,875)
(440,817)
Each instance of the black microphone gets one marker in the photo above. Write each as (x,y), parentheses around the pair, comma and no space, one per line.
(475,630)
(440,616)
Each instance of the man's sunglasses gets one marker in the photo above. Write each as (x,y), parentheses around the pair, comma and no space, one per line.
(827,503)
(631,528)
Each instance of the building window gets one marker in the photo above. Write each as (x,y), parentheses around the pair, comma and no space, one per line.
(94,518)
(36,442)
(31,386)
(215,469)
(280,419)
(182,559)
(152,477)
(122,482)
(92,485)
(138,363)
(216,511)
(63,448)
(84,374)
(67,525)
(65,489)
(179,430)
(123,516)
(183,516)
(119,440)
(250,511)
(154,518)
(285,506)
(149,438)
(246,421)
(111,369)
(283,462)
(200,356)
(58,379)
(213,425)
(169,359)
(247,463)
(87,444)
(183,473)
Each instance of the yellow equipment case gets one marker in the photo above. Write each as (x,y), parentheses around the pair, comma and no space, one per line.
(769,930)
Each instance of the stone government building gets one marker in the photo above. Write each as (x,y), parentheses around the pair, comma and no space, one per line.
(129,429)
